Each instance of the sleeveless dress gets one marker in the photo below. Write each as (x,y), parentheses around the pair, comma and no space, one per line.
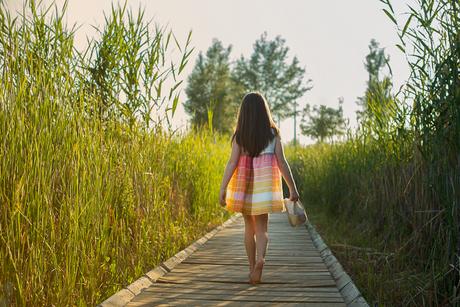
(256,184)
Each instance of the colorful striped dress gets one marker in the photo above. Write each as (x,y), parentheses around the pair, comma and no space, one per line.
(256,184)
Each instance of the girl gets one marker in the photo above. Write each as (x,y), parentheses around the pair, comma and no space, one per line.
(252,179)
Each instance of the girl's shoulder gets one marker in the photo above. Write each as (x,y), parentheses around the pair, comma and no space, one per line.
(276,133)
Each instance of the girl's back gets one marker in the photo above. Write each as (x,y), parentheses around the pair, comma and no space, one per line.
(256,184)
(270,148)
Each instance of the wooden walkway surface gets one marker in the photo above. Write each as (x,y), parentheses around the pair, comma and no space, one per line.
(216,274)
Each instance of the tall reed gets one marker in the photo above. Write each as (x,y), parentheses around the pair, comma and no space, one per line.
(398,189)
(93,191)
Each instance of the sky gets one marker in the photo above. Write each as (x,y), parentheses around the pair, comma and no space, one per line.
(329,37)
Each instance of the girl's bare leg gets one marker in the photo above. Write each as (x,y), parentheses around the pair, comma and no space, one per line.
(261,223)
(249,240)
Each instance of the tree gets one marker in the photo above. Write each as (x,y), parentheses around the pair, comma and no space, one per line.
(375,60)
(210,88)
(377,104)
(267,71)
(323,122)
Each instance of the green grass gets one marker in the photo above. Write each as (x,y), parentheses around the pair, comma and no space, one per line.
(379,276)
(379,217)
(387,200)
(86,211)
(93,191)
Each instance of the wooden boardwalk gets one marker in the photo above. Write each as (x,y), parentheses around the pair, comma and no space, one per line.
(216,274)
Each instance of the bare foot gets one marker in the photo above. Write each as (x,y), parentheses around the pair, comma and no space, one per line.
(256,274)
(251,269)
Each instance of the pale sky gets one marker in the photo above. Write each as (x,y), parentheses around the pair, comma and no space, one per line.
(329,37)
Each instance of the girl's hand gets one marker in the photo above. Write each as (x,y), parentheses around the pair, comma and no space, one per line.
(293,195)
(222,196)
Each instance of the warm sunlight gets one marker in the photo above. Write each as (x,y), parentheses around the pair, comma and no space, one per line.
(229,153)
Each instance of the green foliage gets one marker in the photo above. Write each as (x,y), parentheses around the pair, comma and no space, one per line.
(394,184)
(375,60)
(210,116)
(210,87)
(125,70)
(432,30)
(379,108)
(387,203)
(90,198)
(432,33)
(323,122)
(267,71)
(215,81)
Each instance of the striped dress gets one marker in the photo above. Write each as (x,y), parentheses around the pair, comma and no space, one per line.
(255,186)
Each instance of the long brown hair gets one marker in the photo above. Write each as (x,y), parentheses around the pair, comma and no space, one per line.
(253,128)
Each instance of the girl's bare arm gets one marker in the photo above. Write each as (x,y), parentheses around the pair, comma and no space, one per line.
(285,169)
(229,169)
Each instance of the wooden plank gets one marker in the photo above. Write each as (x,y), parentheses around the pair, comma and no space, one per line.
(276,268)
(273,239)
(310,282)
(244,287)
(236,263)
(266,276)
(272,276)
(287,250)
(284,249)
(268,257)
(243,260)
(191,302)
(255,292)
(153,297)
(243,269)
(238,240)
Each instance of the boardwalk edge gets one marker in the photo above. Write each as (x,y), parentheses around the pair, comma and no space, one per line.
(125,295)
(347,288)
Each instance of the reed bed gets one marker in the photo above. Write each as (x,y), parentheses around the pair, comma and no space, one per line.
(388,198)
(94,189)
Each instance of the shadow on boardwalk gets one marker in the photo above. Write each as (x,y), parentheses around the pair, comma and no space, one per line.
(216,274)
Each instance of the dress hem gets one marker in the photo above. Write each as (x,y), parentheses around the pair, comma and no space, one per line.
(257,213)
